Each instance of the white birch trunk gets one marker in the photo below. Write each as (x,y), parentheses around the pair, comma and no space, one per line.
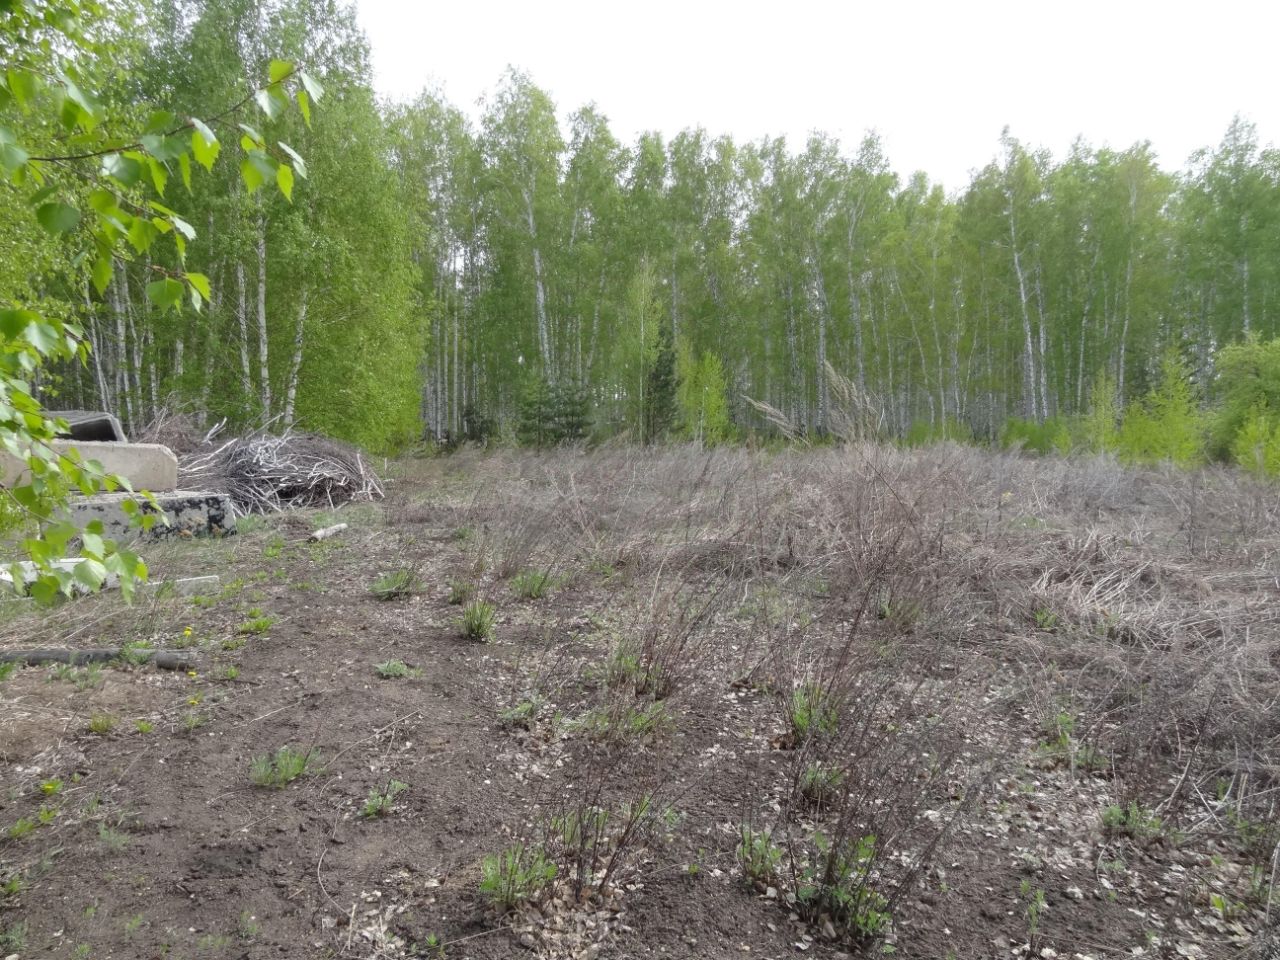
(246,378)
(295,362)
(824,309)
(1029,400)
(540,292)
(264,373)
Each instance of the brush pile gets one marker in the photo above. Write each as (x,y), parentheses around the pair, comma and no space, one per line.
(264,473)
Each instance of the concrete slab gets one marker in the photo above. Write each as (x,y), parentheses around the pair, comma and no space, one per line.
(148,466)
(182,587)
(27,574)
(191,513)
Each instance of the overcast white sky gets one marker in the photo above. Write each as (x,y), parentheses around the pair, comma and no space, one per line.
(938,80)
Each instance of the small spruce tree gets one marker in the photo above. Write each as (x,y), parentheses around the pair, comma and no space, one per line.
(660,397)
(551,414)
(534,427)
(1256,447)
(1100,423)
(1166,424)
(568,412)
(703,397)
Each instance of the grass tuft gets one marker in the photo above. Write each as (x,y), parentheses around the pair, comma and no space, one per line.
(477,621)
(379,801)
(282,768)
(395,585)
(519,873)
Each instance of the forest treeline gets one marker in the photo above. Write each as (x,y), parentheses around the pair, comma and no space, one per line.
(514,275)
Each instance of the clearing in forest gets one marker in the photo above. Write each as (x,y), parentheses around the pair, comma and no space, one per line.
(672,702)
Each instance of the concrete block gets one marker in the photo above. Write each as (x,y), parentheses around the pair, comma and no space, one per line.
(191,513)
(148,466)
(187,586)
(89,425)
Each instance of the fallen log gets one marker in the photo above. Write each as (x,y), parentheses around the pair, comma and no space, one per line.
(161,659)
(325,532)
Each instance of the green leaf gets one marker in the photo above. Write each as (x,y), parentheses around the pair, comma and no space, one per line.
(159,175)
(125,170)
(58,217)
(299,165)
(159,122)
(42,336)
(268,103)
(304,104)
(102,273)
(165,293)
(89,109)
(200,282)
(142,234)
(91,544)
(40,196)
(204,145)
(278,70)
(90,573)
(250,175)
(183,227)
(23,85)
(12,156)
(253,134)
(14,322)
(284,180)
(70,114)
(184,167)
(103,201)
(44,590)
(162,148)
(311,85)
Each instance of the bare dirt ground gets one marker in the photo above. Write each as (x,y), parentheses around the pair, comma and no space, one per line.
(843,702)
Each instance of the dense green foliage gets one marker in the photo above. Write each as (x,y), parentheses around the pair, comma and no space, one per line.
(303,305)
(91,172)
(1012,298)
(521,278)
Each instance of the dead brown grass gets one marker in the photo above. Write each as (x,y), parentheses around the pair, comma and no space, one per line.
(933,595)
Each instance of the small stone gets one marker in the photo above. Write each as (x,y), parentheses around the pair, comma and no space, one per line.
(771,893)
(527,941)
(1074,893)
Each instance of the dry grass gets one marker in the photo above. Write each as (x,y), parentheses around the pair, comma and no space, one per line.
(988,650)
(1140,601)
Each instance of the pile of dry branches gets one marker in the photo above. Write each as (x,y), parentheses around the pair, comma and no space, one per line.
(263,473)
